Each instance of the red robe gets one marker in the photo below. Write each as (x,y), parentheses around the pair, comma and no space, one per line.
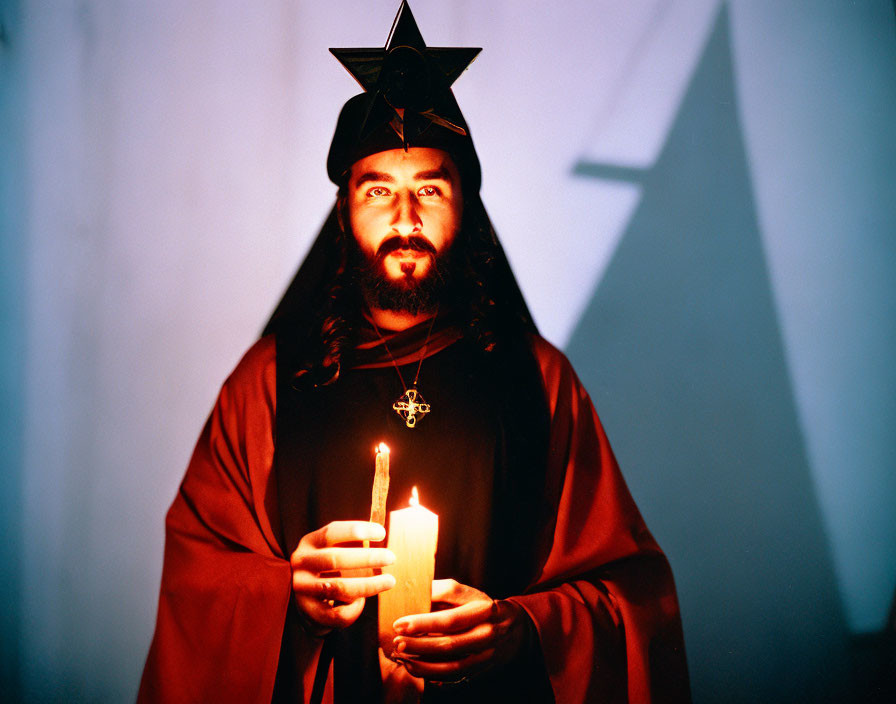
(604,604)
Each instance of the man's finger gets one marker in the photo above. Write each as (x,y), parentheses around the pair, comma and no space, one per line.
(345,532)
(446,590)
(445,648)
(460,618)
(449,671)
(334,559)
(345,589)
(335,616)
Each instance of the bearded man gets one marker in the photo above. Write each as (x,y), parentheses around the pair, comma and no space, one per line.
(405,325)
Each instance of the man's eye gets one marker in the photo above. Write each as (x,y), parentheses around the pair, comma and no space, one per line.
(429,191)
(378,192)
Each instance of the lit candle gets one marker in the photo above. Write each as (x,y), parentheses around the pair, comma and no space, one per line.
(380,487)
(413,534)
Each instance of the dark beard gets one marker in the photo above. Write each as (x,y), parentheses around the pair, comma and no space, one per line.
(408,294)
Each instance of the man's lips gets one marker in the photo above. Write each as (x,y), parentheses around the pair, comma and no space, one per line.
(408,253)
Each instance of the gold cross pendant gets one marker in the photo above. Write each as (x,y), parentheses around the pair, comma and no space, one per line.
(411,406)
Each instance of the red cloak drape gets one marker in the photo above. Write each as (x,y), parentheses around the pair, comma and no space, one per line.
(604,603)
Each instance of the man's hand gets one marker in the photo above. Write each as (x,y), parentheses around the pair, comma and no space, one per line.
(329,582)
(474,635)
(399,687)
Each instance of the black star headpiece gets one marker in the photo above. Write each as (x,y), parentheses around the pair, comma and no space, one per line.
(407,100)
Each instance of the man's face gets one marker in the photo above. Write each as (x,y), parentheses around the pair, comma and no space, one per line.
(404,208)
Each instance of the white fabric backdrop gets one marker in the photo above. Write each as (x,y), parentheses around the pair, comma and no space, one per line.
(174,176)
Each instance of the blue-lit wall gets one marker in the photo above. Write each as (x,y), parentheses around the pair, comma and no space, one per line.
(12,333)
(699,200)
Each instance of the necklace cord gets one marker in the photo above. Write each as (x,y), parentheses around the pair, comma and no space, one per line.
(392,357)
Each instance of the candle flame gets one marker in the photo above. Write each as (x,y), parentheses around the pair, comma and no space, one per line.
(382,447)
(415,498)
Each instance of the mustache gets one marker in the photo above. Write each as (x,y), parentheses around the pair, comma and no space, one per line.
(413,242)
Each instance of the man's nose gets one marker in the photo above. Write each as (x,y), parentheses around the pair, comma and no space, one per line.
(406,220)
